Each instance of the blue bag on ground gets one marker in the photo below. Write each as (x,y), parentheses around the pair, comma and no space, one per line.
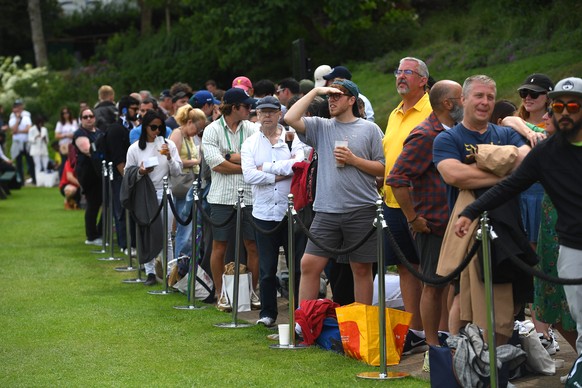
(330,338)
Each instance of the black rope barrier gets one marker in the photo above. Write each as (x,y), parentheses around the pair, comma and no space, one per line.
(537,273)
(207,217)
(277,228)
(333,250)
(175,212)
(429,279)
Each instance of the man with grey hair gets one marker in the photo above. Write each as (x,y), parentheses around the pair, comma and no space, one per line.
(411,78)
(454,155)
(556,164)
(421,194)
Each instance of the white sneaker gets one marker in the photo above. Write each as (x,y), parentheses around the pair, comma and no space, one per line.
(266,321)
(426,364)
(255,301)
(548,344)
(97,241)
(554,338)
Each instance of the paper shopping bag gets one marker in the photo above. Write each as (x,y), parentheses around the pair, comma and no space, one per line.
(244,290)
(359,330)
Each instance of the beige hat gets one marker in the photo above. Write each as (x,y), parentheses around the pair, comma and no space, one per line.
(319,73)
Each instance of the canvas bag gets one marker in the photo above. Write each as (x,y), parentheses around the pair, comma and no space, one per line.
(359,329)
(203,285)
(538,360)
(244,290)
(574,378)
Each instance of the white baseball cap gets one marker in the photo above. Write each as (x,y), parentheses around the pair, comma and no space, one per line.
(319,73)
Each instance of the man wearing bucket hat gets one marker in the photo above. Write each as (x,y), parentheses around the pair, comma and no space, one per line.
(346,189)
(555,163)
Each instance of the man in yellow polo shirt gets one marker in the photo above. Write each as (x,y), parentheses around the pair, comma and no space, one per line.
(411,80)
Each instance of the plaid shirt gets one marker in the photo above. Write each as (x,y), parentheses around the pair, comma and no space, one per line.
(415,168)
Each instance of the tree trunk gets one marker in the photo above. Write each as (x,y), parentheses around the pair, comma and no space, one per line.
(37,33)
(146,17)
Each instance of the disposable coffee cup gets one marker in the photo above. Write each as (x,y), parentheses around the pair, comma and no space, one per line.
(340,143)
(284,334)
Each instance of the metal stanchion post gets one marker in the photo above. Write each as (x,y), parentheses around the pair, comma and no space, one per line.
(238,246)
(291,267)
(483,234)
(110,216)
(380,225)
(128,240)
(193,270)
(103,207)
(139,279)
(166,290)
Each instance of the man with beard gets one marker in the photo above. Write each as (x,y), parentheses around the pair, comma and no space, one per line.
(411,79)
(425,206)
(346,189)
(116,145)
(556,163)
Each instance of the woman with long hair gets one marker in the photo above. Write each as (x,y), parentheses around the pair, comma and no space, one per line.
(191,121)
(152,146)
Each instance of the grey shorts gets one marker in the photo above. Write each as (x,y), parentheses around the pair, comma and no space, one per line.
(343,230)
(220,213)
(429,247)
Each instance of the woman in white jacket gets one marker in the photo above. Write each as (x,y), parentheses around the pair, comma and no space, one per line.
(38,140)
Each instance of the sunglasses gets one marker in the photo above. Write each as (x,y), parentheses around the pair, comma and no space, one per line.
(571,107)
(279,91)
(406,72)
(156,127)
(87,117)
(523,93)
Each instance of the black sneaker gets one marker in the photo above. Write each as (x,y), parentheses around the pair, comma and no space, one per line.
(151,280)
(443,339)
(414,344)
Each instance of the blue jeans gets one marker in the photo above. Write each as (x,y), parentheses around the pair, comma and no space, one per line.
(268,248)
(183,233)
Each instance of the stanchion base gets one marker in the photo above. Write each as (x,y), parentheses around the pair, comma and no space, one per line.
(381,376)
(133,281)
(125,269)
(160,292)
(190,307)
(289,347)
(232,325)
(102,251)
(109,259)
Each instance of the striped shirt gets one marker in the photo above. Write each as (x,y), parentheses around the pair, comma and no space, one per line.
(217,141)
(415,168)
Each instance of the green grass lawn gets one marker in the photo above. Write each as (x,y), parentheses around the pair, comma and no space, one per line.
(66,319)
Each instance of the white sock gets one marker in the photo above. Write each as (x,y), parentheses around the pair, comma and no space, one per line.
(419,333)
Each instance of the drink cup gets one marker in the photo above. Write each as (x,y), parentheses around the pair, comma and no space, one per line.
(290,134)
(340,143)
(159,142)
(284,334)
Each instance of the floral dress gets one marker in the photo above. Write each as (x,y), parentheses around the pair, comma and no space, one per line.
(549,299)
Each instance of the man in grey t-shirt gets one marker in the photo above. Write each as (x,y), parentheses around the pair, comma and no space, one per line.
(346,189)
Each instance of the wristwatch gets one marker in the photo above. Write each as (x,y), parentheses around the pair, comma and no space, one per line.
(227,157)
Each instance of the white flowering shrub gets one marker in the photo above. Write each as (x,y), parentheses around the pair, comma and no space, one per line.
(19,81)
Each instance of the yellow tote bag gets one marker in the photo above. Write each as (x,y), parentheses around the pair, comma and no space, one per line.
(359,330)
